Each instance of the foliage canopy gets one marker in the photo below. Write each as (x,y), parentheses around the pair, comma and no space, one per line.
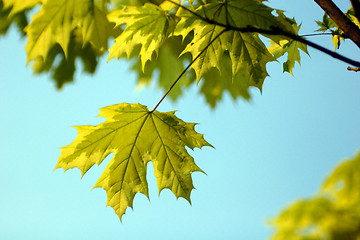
(222,45)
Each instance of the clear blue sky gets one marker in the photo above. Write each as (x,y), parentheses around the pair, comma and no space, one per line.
(269,152)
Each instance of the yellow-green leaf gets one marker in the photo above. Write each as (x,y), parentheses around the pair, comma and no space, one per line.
(20,5)
(211,39)
(344,183)
(291,47)
(146,25)
(135,136)
(216,83)
(56,21)
(206,44)
(333,214)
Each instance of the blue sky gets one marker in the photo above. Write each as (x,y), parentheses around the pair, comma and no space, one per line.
(269,152)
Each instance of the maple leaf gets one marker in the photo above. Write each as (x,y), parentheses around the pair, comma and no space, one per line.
(206,44)
(326,24)
(217,82)
(62,70)
(56,21)
(212,38)
(338,35)
(8,16)
(146,25)
(19,6)
(135,136)
(291,47)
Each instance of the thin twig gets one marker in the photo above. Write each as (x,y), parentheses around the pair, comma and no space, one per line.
(353,69)
(188,66)
(315,34)
(278,31)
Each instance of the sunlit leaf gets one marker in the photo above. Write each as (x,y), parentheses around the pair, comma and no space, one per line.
(20,5)
(211,40)
(333,214)
(145,25)
(135,136)
(56,21)
(344,183)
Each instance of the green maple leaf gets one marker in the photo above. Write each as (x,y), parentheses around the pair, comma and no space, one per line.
(146,25)
(249,56)
(19,6)
(205,37)
(12,11)
(326,24)
(56,21)
(135,136)
(246,50)
(63,70)
(291,47)
(217,82)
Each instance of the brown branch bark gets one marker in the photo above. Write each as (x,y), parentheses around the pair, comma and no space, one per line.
(349,28)
(356,6)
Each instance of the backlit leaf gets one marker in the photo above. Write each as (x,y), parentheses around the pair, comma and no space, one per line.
(135,136)
(290,47)
(20,5)
(333,214)
(8,17)
(344,183)
(211,38)
(56,21)
(62,71)
(146,25)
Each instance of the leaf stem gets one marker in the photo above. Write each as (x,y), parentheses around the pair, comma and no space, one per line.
(315,34)
(278,31)
(187,67)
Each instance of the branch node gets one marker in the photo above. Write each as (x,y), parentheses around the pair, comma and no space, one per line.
(353,69)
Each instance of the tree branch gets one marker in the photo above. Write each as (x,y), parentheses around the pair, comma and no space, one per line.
(275,31)
(356,6)
(278,31)
(349,28)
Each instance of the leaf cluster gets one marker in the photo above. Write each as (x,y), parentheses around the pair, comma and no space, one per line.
(157,36)
(327,25)
(219,44)
(333,214)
